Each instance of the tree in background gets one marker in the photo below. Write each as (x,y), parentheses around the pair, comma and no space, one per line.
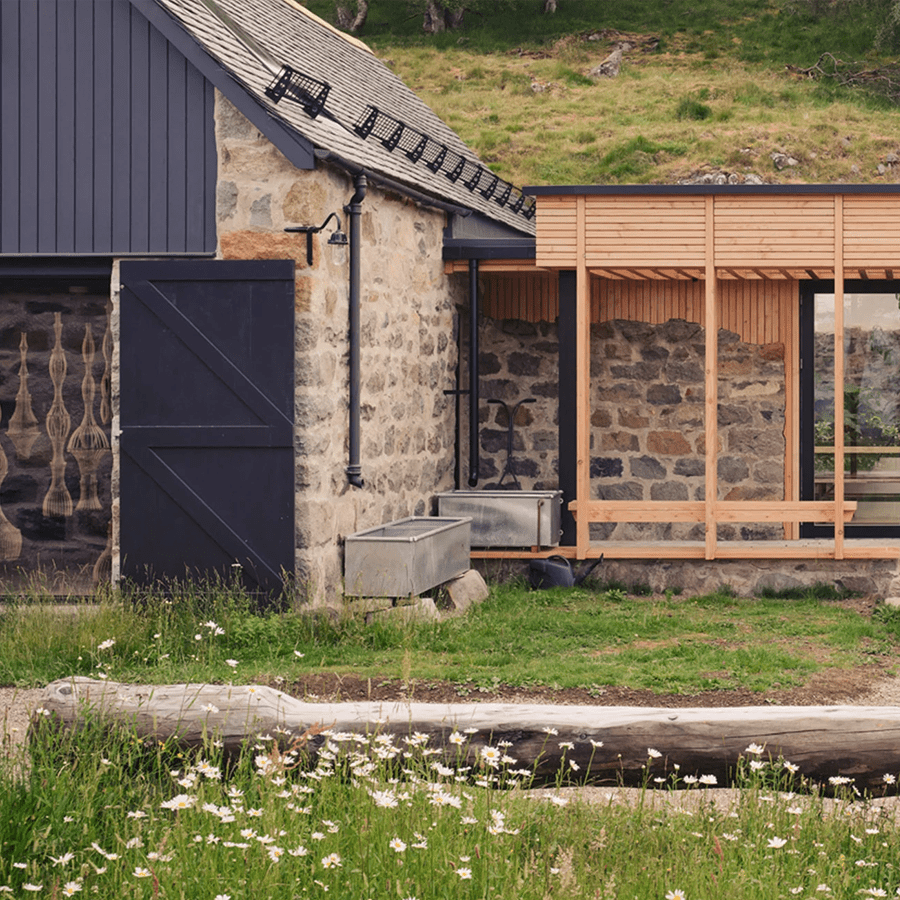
(351,14)
(437,15)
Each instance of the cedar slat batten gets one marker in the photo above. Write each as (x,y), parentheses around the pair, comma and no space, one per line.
(838,373)
(712,382)
(583,367)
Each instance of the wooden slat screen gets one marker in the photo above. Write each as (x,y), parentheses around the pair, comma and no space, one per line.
(872,232)
(756,310)
(556,236)
(755,234)
(774,231)
(644,231)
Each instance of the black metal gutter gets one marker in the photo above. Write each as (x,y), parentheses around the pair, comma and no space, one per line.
(390,184)
(488,248)
(696,189)
(354,211)
(474,460)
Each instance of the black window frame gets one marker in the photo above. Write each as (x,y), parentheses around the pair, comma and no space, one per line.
(808,290)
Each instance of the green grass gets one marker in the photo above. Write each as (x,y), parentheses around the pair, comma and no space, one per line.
(108,813)
(714,93)
(94,810)
(579,638)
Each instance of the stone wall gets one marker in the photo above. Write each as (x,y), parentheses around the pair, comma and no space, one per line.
(519,361)
(408,348)
(647,417)
(648,436)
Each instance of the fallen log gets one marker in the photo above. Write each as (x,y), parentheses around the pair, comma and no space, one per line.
(612,745)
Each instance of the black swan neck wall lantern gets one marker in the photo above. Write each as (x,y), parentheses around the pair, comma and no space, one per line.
(338,237)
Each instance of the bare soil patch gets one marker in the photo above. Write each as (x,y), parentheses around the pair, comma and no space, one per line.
(827,688)
(866,685)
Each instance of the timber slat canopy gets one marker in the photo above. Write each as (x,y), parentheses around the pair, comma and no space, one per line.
(727,257)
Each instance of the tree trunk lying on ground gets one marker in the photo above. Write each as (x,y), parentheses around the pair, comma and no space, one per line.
(862,743)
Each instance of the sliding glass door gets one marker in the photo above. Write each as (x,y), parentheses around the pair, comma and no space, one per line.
(871,403)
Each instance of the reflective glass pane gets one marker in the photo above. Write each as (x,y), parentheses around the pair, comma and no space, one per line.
(871,404)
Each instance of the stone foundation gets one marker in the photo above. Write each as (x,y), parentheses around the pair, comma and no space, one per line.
(879,578)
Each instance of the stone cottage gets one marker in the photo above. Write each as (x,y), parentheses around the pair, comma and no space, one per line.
(257,297)
(228,335)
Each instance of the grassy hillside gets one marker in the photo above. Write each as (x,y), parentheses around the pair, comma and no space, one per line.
(705,87)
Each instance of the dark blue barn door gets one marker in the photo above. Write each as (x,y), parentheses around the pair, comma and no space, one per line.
(206,414)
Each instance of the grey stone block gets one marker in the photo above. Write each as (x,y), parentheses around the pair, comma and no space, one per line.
(465,590)
(422,609)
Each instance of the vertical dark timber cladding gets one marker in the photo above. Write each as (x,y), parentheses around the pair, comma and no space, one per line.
(207,387)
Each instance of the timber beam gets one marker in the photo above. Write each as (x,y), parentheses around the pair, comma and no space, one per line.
(611,744)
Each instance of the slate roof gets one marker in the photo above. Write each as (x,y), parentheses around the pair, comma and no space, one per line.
(288,34)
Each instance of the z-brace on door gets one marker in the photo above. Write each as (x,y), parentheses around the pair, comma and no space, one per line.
(206,401)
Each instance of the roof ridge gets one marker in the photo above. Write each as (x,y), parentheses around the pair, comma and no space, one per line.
(319,21)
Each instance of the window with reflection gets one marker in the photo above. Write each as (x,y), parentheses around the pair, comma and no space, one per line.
(871,402)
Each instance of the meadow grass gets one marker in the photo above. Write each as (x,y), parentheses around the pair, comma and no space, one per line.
(713,93)
(587,637)
(371,816)
(106,812)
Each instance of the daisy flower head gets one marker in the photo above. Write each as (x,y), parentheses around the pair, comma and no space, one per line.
(491,755)
(70,888)
(776,843)
(28,886)
(653,754)
(231,662)
(887,778)
(397,845)
(677,894)
(464,872)
(140,872)
(385,799)
(755,749)
(333,860)
(107,644)
(179,801)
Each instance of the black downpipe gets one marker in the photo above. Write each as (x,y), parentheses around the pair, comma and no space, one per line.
(354,210)
(474,460)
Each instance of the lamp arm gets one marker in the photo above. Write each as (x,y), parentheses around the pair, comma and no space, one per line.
(331,216)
